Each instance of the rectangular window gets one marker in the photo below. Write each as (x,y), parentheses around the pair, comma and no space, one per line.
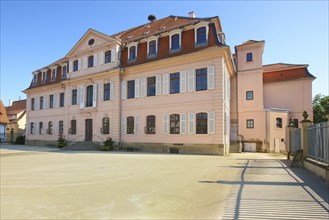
(75,65)
(150,122)
(74,96)
(61,99)
(174,83)
(130,125)
(279,122)
(250,95)
(249,57)
(108,56)
(60,127)
(41,102)
(132,53)
(107,87)
(175,42)
(201,79)
(131,89)
(152,48)
(64,72)
(40,127)
(73,129)
(90,95)
(32,128)
(201,35)
(90,61)
(151,86)
(50,127)
(32,104)
(106,125)
(51,101)
(250,123)
(295,121)
(35,79)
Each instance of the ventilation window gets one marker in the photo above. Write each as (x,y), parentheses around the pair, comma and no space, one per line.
(91,42)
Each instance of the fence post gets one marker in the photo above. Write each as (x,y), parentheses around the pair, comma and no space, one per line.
(305,124)
(288,138)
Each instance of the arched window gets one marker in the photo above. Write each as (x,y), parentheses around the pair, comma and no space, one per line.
(132,53)
(152,48)
(130,125)
(150,122)
(201,35)
(174,124)
(89,94)
(175,42)
(106,125)
(202,123)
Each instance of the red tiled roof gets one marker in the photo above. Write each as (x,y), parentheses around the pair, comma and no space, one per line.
(157,27)
(283,72)
(3,114)
(16,107)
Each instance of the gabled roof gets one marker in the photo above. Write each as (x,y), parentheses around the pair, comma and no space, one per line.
(89,32)
(16,107)
(250,42)
(3,114)
(284,72)
(158,26)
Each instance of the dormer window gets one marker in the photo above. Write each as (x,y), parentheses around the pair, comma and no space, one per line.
(53,75)
(175,38)
(44,77)
(132,52)
(152,47)
(201,34)
(64,72)
(35,79)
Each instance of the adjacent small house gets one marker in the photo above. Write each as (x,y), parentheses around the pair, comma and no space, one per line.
(16,112)
(3,121)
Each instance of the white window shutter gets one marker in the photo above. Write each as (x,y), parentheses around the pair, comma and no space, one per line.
(112,90)
(55,100)
(165,83)
(36,101)
(113,55)
(211,122)
(182,85)
(95,95)
(123,89)
(84,63)
(182,125)
(211,77)
(101,57)
(45,102)
(70,66)
(158,85)
(79,64)
(100,92)
(136,125)
(143,86)
(82,97)
(28,107)
(165,124)
(123,125)
(191,81)
(137,89)
(191,123)
(36,130)
(78,95)
(95,59)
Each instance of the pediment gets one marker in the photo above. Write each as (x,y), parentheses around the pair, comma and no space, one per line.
(91,40)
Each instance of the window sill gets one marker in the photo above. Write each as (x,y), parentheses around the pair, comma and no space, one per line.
(201,44)
(171,51)
(132,60)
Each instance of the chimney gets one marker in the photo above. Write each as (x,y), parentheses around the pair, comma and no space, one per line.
(10,102)
(191,14)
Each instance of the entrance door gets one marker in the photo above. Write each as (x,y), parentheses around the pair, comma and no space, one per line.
(89,130)
(277,145)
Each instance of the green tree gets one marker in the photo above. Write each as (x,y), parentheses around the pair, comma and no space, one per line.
(320,108)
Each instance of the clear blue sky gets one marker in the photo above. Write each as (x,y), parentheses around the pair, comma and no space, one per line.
(35,33)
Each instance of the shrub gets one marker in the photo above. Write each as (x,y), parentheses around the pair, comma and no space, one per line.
(20,140)
(61,142)
(107,144)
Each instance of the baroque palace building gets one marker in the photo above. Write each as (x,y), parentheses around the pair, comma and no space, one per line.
(171,85)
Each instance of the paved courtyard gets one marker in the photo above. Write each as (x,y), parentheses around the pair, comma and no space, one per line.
(45,183)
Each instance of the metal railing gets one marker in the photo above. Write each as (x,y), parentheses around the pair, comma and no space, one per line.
(317,142)
(296,140)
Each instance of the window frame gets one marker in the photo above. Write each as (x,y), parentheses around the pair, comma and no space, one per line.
(249,57)
(41,102)
(74,100)
(174,124)
(150,124)
(32,104)
(44,77)
(250,123)
(32,128)
(155,46)
(201,123)
(75,66)
(61,99)
(203,82)
(171,34)
(40,127)
(51,101)
(130,125)
(133,44)
(53,75)
(89,96)
(50,127)
(250,95)
(151,88)
(131,89)
(64,72)
(107,92)
(60,127)
(106,125)
(278,122)
(108,56)
(90,61)
(174,83)
(197,27)
(73,126)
